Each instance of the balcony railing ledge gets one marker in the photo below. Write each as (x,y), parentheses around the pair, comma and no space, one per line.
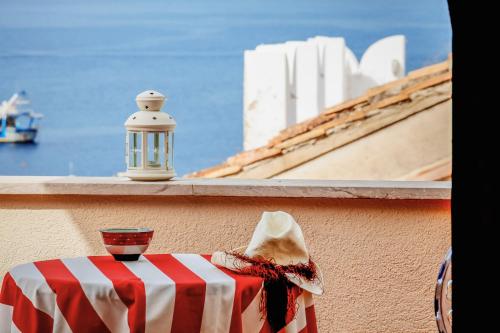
(342,189)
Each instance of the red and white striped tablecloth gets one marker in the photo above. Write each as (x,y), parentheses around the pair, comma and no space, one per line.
(158,293)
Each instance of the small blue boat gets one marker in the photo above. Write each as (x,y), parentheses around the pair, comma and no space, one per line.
(18,123)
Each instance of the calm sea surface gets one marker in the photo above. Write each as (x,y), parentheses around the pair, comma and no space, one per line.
(83,62)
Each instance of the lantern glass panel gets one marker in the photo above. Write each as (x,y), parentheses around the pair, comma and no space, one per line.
(170,150)
(156,150)
(135,149)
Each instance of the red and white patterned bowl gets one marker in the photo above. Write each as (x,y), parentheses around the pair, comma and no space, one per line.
(126,243)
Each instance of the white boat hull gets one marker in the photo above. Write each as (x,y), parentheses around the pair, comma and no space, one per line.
(24,136)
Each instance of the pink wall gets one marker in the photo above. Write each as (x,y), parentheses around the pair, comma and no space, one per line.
(379,258)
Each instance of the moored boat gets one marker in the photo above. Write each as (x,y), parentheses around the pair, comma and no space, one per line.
(18,122)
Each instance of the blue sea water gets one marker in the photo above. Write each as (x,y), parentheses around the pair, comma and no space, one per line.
(83,63)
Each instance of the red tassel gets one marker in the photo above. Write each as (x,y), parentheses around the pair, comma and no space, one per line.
(278,297)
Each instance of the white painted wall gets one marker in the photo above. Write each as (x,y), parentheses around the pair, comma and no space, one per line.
(294,81)
(265,97)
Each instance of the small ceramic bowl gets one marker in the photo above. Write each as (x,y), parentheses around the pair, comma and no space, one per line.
(126,244)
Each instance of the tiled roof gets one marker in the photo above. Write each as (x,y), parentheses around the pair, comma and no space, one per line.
(336,126)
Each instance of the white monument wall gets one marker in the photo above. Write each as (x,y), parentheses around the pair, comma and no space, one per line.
(296,80)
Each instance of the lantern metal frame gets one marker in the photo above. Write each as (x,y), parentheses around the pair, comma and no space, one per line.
(150,120)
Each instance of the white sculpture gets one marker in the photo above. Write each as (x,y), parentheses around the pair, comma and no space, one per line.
(290,82)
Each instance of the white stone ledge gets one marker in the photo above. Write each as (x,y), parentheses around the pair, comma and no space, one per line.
(281,188)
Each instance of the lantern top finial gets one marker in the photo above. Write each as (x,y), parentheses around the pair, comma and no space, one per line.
(150,117)
(150,100)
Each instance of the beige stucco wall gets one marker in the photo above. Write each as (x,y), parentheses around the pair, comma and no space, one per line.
(395,151)
(379,257)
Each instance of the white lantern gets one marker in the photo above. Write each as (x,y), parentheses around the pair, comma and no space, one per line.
(150,140)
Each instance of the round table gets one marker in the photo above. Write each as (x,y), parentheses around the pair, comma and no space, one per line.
(157,293)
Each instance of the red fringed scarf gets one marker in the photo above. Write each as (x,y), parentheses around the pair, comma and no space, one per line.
(278,297)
